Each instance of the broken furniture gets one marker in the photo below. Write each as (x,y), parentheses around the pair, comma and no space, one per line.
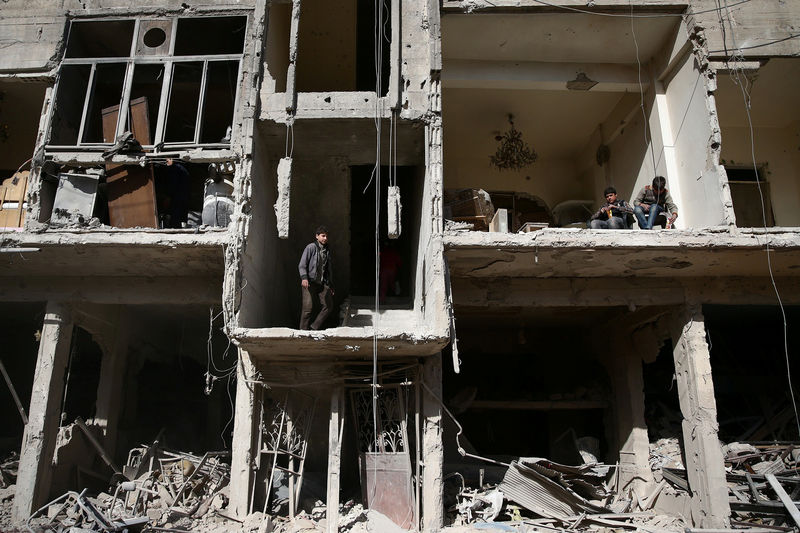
(469,205)
(12,200)
(75,197)
(131,188)
(217,198)
(522,208)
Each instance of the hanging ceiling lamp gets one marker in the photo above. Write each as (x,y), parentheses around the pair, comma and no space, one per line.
(512,152)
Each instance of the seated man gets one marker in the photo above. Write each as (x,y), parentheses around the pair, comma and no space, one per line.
(613,214)
(652,201)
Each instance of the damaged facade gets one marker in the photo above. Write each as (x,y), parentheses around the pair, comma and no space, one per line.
(149,288)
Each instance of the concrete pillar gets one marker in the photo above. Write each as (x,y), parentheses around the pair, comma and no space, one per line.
(38,441)
(432,449)
(704,462)
(111,389)
(244,430)
(335,428)
(625,368)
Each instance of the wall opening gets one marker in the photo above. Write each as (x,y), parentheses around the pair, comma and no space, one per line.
(83,377)
(20,105)
(277,48)
(523,392)
(187,88)
(337,47)
(752,200)
(398,256)
(753,399)
(167,194)
(21,327)
(776,132)
(577,105)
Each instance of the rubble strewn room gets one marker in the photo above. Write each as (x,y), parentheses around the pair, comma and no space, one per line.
(398,266)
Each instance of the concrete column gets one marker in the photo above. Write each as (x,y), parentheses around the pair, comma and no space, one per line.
(432,449)
(335,428)
(704,462)
(631,428)
(111,390)
(38,441)
(244,431)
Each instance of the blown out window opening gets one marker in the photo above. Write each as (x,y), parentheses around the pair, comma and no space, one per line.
(186,88)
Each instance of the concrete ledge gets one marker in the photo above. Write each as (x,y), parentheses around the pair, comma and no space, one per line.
(567,252)
(344,343)
(113,253)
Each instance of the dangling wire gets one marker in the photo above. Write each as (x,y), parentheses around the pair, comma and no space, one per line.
(736,77)
(646,123)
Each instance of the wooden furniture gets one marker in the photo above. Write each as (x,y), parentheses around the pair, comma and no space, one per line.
(12,199)
(131,189)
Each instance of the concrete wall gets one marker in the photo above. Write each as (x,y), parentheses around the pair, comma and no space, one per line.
(693,130)
(33,32)
(20,108)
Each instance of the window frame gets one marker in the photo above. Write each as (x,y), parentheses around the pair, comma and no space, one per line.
(131,61)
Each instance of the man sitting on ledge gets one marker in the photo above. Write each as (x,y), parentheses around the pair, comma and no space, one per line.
(613,214)
(651,202)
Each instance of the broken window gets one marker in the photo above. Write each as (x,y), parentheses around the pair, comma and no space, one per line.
(185,71)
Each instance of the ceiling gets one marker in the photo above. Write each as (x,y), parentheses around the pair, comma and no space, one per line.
(519,63)
(554,37)
(555,123)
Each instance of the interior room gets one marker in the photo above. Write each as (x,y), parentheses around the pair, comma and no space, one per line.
(332,185)
(21,326)
(336,46)
(20,108)
(750,369)
(770,89)
(165,194)
(579,95)
(534,383)
(187,363)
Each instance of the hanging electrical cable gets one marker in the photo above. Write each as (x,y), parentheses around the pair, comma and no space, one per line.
(736,73)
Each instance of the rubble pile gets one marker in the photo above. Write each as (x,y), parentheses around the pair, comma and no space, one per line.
(158,488)
(540,495)
(763,483)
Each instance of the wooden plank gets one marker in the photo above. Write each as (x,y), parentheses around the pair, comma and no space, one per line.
(785,499)
(11,191)
(131,188)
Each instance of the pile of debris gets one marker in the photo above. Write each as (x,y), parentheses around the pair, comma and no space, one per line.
(762,478)
(537,494)
(157,487)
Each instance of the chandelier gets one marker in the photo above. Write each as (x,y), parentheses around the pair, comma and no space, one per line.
(512,152)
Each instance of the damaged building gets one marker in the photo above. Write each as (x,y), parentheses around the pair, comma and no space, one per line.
(163,165)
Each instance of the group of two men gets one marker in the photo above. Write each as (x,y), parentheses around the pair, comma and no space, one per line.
(651,201)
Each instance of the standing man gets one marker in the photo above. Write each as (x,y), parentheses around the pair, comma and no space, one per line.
(652,201)
(316,280)
(613,214)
